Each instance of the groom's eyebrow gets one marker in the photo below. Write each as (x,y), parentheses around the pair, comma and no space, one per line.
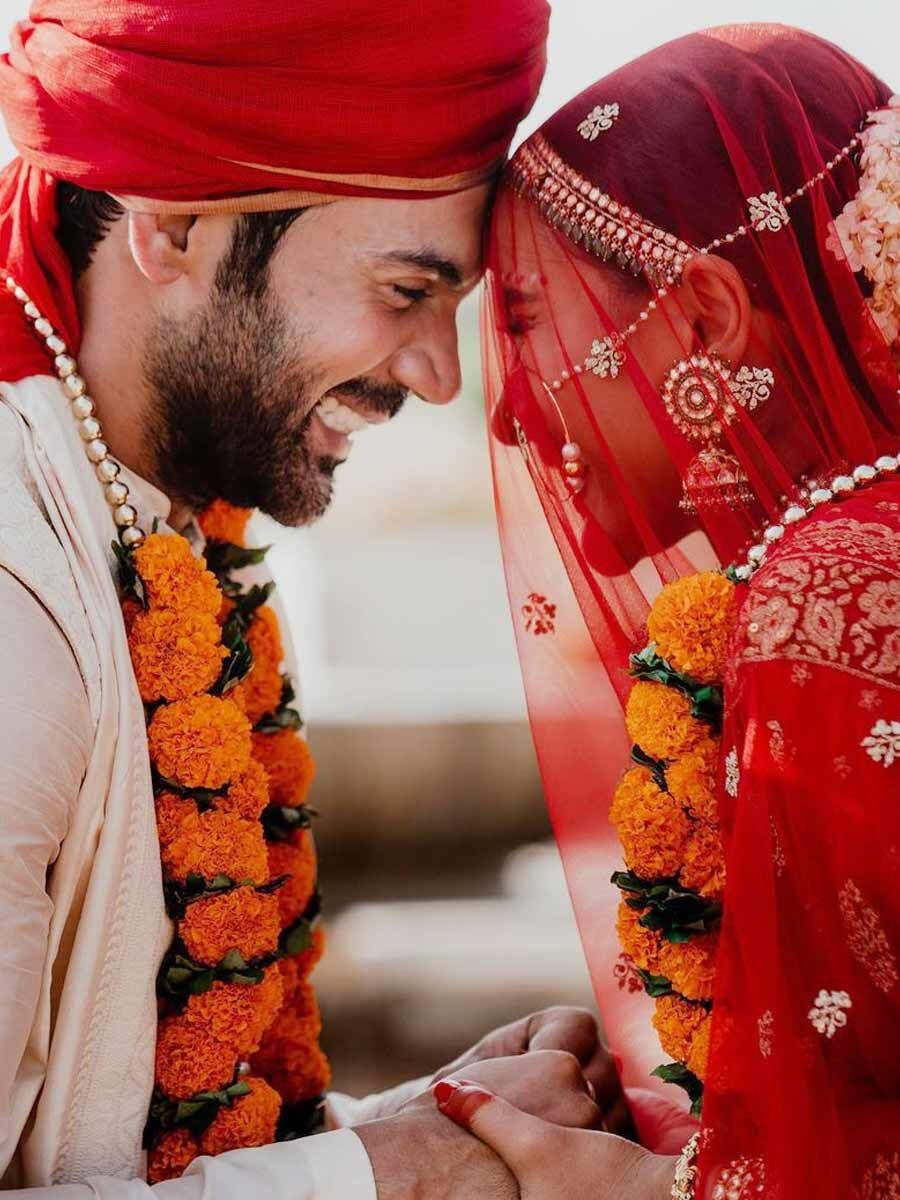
(429,260)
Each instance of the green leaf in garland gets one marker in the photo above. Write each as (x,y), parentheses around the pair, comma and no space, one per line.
(130,581)
(279,821)
(297,938)
(678,1074)
(236,667)
(224,557)
(675,912)
(234,961)
(655,985)
(656,767)
(247,602)
(284,717)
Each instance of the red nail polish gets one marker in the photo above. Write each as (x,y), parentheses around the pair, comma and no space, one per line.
(444,1091)
(464,1101)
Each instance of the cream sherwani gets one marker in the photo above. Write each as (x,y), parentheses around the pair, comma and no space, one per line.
(81,906)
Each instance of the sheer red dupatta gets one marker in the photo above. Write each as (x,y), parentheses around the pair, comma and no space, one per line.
(685,137)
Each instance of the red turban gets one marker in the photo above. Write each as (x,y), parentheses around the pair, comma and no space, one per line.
(186,101)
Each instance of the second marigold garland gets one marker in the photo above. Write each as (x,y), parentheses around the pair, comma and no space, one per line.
(665,813)
(238,1061)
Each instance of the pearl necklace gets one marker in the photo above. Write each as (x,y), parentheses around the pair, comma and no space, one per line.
(840,486)
(82,408)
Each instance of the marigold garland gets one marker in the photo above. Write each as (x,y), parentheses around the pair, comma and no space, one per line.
(665,811)
(207,661)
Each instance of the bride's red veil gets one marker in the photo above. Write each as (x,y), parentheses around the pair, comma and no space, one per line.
(706,144)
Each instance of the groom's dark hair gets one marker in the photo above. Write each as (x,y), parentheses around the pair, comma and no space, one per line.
(85,218)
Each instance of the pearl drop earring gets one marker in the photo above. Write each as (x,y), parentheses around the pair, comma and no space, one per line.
(574,466)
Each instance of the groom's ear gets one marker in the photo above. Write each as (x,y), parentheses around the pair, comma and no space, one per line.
(158,245)
(719,305)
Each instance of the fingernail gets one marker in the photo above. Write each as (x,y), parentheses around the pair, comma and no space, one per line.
(460,1099)
(444,1090)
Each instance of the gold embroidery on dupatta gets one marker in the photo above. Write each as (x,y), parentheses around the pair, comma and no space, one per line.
(867,939)
(830,595)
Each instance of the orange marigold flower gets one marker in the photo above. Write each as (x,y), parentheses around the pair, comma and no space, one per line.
(223,522)
(289,764)
(201,742)
(658,719)
(691,966)
(677,1022)
(296,968)
(243,919)
(174,815)
(651,825)
(698,1059)
(296,858)
(172,1155)
(248,794)
(250,1121)
(174,577)
(692,780)
(130,609)
(238,1013)
(704,862)
(290,1057)
(175,654)
(691,622)
(642,945)
(190,1059)
(219,844)
(260,692)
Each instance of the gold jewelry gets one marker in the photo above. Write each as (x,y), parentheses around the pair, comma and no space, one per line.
(686,1171)
(574,467)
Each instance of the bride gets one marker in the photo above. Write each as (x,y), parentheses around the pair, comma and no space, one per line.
(693,338)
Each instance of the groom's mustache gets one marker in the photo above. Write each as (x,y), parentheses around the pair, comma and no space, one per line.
(379,398)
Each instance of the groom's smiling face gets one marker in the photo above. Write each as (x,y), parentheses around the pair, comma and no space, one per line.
(308,335)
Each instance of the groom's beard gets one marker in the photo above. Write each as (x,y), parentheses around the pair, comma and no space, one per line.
(229,411)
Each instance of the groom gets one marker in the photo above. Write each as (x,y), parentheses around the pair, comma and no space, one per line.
(256,224)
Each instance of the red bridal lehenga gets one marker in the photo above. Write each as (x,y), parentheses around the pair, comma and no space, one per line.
(773,905)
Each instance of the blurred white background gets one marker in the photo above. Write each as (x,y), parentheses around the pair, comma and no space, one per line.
(427,780)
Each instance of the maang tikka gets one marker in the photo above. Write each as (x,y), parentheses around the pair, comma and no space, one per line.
(573,464)
(702,396)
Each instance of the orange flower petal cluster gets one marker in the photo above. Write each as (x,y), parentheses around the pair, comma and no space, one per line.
(250,1121)
(643,946)
(703,870)
(691,623)
(173,577)
(174,814)
(692,780)
(223,522)
(175,654)
(244,920)
(658,719)
(290,1057)
(202,742)
(260,692)
(216,843)
(652,826)
(698,1059)
(172,1155)
(190,1059)
(248,794)
(289,764)
(691,966)
(678,1022)
(296,858)
(238,1013)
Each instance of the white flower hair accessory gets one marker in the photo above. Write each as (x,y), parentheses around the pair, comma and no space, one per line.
(867,232)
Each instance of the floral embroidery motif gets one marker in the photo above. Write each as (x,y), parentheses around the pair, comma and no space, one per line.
(842,767)
(539,614)
(829,1012)
(883,743)
(765,1025)
(882,1180)
(866,938)
(740,1179)
(830,594)
(777,747)
(598,120)
(626,975)
(732,772)
(778,855)
(753,386)
(869,699)
(604,359)
(767,212)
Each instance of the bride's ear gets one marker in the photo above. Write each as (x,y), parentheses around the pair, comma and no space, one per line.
(719,305)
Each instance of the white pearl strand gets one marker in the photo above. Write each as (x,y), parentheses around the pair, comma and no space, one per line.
(82,407)
(840,486)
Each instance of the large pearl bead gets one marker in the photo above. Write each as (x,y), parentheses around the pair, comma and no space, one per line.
(888,464)
(571,451)
(793,514)
(841,485)
(756,554)
(107,470)
(821,496)
(124,515)
(89,429)
(97,450)
(82,408)
(131,536)
(116,493)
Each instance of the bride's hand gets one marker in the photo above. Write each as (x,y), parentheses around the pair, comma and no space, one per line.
(551,1162)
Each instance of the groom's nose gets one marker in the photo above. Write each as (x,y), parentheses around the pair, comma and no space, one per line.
(429,367)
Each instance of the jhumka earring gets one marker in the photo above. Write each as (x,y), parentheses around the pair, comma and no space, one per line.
(573,464)
(702,396)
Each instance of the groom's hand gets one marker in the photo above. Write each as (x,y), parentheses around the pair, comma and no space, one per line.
(419,1155)
(572,1030)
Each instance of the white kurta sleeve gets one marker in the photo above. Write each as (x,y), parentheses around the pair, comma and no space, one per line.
(46,744)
